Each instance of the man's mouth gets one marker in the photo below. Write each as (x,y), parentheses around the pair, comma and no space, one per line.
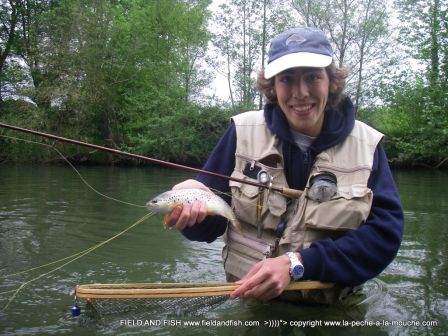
(303,109)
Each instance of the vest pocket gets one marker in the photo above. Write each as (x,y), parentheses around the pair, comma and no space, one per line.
(251,203)
(241,253)
(260,247)
(237,263)
(347,210)
(244,199)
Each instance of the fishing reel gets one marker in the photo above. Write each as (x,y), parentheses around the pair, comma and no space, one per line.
(323,186)
(264,177)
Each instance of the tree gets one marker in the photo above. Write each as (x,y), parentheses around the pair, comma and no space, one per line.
(357,30)
(239,42)
(242,30)
(9,19)
(424,32)
(420,97)
(111,71)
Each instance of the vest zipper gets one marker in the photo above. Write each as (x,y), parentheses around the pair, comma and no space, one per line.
(261,247)
(319,166)
(254,163)
(306,158)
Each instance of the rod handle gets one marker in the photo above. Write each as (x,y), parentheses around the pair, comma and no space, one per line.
(292,193)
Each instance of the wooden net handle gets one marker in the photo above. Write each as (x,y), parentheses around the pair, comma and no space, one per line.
(175,290)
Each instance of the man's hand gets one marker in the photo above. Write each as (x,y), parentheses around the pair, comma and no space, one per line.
(187,215)
(266,280)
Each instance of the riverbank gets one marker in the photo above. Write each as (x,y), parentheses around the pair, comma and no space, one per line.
(185,139)
(85,158)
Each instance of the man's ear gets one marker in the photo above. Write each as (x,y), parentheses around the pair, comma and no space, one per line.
(333,87)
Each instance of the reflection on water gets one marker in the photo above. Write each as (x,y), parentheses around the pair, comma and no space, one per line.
(47,213)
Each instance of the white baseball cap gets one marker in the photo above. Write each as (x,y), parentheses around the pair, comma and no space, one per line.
(298,47)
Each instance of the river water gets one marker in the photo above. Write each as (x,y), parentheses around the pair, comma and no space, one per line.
(48,213)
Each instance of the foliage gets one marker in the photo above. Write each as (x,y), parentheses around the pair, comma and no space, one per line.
(248,26)
(416,124)
(21,113)
(416,116)
(98,68)
(187,135)
(359,34)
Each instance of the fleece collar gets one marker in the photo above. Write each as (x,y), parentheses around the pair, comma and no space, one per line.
(338,123)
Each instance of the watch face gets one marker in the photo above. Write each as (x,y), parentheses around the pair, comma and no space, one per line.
(297,271)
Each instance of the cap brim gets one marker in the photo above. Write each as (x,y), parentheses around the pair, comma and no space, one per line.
(296,60)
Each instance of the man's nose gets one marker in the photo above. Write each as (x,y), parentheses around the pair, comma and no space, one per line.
(300,88)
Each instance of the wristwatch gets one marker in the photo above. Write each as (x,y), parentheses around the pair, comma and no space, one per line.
(296,270)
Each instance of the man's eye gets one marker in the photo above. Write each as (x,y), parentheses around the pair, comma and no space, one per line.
(285,79)
(312,77)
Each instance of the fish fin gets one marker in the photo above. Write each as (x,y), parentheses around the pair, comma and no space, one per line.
(165,217)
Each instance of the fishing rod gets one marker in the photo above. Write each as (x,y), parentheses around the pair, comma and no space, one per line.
(292,193)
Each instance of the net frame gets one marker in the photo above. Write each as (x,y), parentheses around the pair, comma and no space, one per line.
(174,290)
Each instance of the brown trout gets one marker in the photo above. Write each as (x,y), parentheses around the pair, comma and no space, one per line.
(167,201)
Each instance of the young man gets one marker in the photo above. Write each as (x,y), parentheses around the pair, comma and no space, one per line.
(347,225)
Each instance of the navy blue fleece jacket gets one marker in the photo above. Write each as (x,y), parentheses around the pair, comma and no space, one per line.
(350,260)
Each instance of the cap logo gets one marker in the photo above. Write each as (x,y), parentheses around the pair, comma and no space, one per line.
(295,38)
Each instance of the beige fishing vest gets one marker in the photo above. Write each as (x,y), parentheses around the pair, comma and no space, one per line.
(261,211)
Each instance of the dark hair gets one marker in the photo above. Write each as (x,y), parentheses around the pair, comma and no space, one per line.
(337,82)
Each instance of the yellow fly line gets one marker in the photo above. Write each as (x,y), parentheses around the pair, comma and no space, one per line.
(71,258)
(174,290)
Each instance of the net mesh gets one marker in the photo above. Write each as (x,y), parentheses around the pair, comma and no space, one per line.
(138,309)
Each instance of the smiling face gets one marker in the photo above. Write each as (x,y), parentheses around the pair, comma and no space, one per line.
(302,94)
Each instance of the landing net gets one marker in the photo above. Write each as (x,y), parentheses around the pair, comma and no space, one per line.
(163,299)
